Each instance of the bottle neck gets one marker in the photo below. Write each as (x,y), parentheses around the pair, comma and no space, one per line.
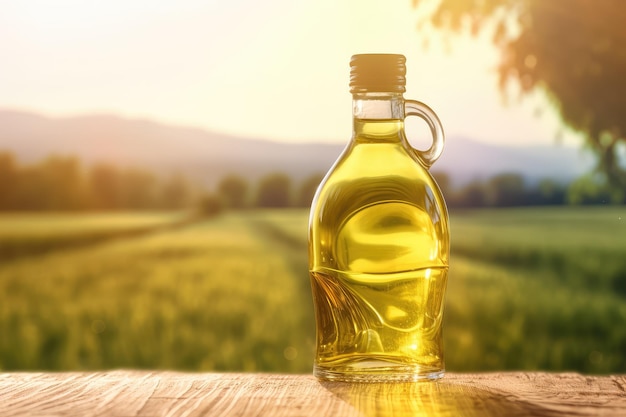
(378,117)
(378,106)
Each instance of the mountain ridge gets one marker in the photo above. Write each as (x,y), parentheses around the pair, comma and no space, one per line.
(207,156)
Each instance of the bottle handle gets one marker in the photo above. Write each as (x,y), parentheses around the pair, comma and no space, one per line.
(417,108)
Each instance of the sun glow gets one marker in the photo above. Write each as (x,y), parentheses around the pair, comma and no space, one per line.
(276,69)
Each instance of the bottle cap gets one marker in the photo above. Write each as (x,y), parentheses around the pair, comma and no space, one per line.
(377,73)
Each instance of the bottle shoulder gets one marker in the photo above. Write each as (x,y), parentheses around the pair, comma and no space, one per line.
(377,164)
(368,175)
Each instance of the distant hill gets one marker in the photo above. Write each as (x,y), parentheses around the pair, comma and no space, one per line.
(207,156)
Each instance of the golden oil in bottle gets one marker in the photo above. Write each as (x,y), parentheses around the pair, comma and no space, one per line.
(379,241)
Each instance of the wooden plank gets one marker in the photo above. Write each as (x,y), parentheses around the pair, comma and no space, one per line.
(142,393)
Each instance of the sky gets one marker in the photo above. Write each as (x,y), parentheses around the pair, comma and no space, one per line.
(272,69)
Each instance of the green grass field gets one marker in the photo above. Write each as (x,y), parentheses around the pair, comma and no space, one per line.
(534,288)
(538,288)
(23,234)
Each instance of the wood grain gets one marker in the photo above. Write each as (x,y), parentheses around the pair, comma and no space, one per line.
(142,393)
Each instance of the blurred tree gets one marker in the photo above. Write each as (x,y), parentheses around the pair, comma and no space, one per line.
(55,183)
(550,192)
(61,184)
(104,183)
(471,195)
(505,190)
(233,190)
(573,50)
(210,205)
(589,189)
(444,182)
(308,189)
(175,193)
(8,181)
(274,191)
(30,189)
(138,189)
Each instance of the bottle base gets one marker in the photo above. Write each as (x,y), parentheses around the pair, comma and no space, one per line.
(379,374)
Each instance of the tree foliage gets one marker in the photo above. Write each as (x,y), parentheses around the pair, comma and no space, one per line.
(8,178)
(589,189)
(308,189)
(210,205)
(571,49)
(63,183)
(175,192)
(274,191)
(233,189)
(505,190)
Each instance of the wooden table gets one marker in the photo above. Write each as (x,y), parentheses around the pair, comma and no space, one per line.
(143,393)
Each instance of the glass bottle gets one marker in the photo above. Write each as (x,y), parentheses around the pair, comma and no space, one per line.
(379,240)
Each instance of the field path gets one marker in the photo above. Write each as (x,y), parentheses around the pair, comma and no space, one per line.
(290,244)
(289,239)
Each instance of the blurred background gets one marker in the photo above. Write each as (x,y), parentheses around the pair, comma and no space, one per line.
(158,158)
